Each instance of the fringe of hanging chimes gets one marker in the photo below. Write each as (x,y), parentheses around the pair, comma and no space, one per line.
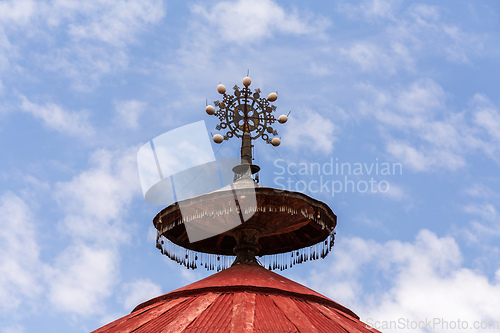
(192,259)
(286,260)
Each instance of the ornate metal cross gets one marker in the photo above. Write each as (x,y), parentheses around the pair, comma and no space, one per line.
(248,116)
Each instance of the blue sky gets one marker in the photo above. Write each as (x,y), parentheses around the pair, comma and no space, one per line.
(84,84)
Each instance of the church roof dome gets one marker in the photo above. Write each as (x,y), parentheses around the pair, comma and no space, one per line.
(243,298)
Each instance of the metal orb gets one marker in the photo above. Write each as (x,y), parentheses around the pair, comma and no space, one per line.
(272,97)
(218,138)
(211,110)
(247,81)
(221,89)
(282,119)
(275,142)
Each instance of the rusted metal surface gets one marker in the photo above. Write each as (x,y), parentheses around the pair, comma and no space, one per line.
(218,318)
(244,298)
(243,313)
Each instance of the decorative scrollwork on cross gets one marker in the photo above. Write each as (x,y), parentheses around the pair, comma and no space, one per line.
(246,113)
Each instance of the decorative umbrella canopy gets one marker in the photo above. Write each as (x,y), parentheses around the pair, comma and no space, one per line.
(245,219)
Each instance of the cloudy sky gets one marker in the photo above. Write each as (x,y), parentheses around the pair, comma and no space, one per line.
(370,83)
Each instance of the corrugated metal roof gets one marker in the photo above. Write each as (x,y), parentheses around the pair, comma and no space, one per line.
(243,298)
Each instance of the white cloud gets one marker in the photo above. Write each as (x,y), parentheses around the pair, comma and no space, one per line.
(485,126)
(84,64)
(423,28)
(128,112)
(249,21)
(310,131)
(478,233)
(413,106)
(12,329)
(371,9)
(426,279)
(5,52)
(115,22)
(82,277)
(56,118)
(214,26)
(409,33)
(19,256)
(489,119)
(139,291)
(369,57)
(424,159)
(16,11)
(79,40)
(423,15)
(86,272)
(346,287)
(422,97)
(423,132)
(95,200)
(395,192)
(486,211)
(479,190)
(461,44)
(95,205)
(240,27)
(484,224)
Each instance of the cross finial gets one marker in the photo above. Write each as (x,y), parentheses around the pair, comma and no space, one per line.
(246,115)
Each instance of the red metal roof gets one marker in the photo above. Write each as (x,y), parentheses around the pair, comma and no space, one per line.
(242,298)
